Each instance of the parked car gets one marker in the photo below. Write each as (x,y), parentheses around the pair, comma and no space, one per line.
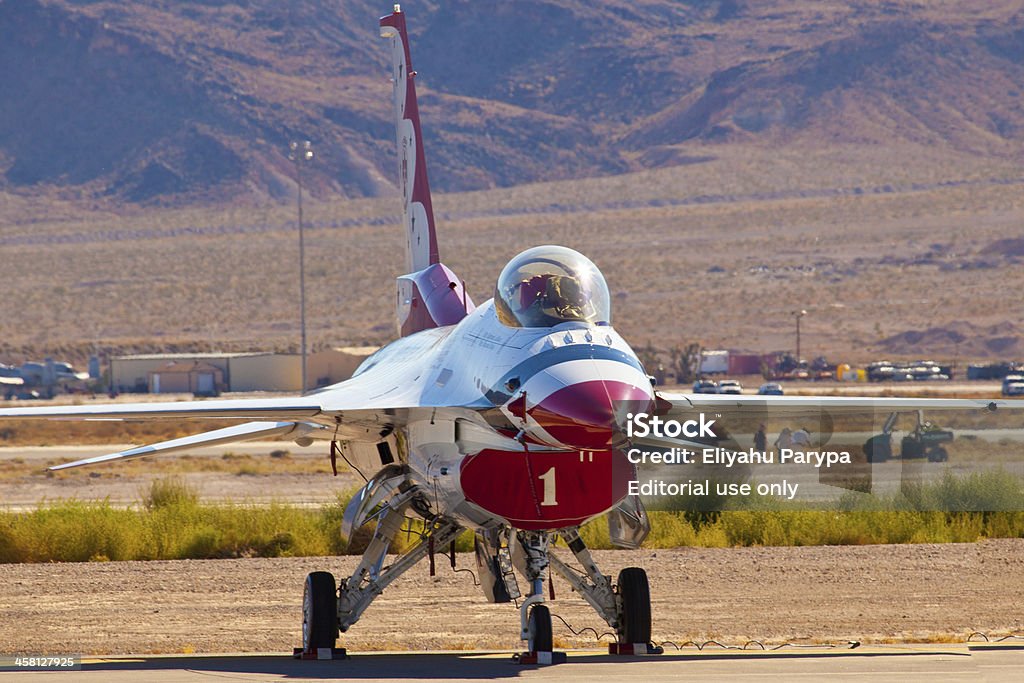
(705,386)
(1013,385)
(770,389)
(729,386)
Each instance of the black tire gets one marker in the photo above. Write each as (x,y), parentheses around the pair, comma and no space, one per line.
(319,611)
(911,448)
(635,599)
(938,454)
(539,624)
(878,448)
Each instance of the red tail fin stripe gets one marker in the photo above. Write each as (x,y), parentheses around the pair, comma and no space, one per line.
(417,209)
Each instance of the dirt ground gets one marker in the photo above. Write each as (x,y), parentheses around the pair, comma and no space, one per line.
(907,593)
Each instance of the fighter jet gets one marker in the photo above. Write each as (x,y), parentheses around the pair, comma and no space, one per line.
(504,418)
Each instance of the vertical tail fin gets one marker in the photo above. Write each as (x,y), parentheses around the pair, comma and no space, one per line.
(417,211)
(430,294)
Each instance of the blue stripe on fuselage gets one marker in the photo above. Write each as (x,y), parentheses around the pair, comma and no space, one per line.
(499,393)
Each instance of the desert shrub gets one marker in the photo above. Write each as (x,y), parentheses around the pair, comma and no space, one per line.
(671,529)
(11,550)
(179,527)
(169,491)
(987,491)
(595,533)
(72,531)
(203,543)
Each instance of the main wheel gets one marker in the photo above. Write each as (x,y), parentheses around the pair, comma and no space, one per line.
(319,611)
(635,596)
(539,625)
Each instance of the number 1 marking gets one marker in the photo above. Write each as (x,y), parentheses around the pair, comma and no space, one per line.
(549,487)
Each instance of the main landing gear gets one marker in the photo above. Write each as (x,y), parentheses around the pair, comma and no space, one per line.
(626,606)
(328,610)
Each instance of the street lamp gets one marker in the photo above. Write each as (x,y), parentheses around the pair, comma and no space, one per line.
(798,314)
(301,153)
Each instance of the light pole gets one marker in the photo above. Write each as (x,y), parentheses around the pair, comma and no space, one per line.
(798,314)
(301,153)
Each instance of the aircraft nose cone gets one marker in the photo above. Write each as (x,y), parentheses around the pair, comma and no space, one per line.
(589,414)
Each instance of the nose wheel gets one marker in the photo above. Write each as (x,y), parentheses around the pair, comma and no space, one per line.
(539,626)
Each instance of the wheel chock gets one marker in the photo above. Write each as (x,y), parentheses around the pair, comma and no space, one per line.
(320,653)
(629,649)
(540,657)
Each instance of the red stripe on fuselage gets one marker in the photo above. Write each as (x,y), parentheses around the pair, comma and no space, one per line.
(545,489)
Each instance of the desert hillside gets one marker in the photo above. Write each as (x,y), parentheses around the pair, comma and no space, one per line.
(724,163)
(176,102)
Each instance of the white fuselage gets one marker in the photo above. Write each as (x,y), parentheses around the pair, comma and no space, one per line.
(458,381)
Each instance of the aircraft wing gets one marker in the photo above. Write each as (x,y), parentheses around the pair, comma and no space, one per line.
(325,408)
(828,417)
(242,409)
(346,417)
(783,406)
(234,434)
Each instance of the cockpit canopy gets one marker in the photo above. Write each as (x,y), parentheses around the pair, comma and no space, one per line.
(548,285)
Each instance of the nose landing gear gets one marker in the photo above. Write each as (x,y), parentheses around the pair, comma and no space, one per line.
(534,616)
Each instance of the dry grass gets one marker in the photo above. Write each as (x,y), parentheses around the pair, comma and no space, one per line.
(240,463)
(172,524)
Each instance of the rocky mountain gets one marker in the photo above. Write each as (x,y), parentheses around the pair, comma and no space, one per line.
(173,101)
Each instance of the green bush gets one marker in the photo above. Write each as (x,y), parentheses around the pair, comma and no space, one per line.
(989,491)
(169,491)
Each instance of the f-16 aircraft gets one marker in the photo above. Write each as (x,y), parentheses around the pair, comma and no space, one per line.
(504,418)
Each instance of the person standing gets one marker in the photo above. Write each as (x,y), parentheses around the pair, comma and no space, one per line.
(760,439)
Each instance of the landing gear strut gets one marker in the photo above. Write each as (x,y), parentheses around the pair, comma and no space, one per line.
(326,611)
(534,616)
(626,607)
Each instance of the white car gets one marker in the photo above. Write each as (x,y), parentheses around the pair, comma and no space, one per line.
(770,389)
(705,386)
(1013,385)
(729,386)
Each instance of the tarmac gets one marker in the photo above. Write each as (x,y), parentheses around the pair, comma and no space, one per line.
(954,662)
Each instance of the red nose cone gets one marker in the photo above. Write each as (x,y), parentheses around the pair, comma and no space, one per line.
(589,415)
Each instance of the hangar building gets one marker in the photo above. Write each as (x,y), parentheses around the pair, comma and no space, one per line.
(173,372)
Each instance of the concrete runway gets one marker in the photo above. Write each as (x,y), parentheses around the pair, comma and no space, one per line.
(957,662)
